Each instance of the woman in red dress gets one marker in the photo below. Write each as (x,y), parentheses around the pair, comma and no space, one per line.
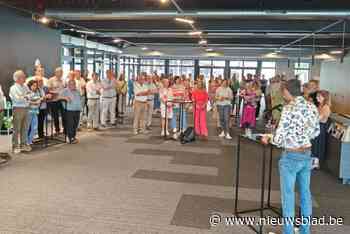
(200,98)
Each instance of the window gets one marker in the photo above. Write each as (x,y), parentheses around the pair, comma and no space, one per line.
(219,63)
(242,68)
(250,63)
(236,63)
(302,70)
(205,63)
(268,69)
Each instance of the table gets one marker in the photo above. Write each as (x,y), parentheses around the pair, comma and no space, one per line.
(182,107)
(263,206)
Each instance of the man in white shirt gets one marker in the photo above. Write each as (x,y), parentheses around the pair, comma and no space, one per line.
(93,91)
(39,73)
(19,94)
(56,86)
(108,99)
(81,87)
(140,105)
(150,101)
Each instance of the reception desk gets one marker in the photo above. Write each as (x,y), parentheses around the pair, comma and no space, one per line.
(337,160)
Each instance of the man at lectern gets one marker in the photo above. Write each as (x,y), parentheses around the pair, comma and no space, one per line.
(299,124)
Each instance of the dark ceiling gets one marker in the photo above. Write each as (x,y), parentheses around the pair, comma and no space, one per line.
(151,23)
(141,5)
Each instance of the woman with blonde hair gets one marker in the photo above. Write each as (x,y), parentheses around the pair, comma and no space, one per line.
(319,143)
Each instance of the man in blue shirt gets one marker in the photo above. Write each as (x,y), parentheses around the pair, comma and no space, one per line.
(73,107)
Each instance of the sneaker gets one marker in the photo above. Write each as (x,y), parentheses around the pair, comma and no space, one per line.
(222,134)
(315,163)
(136,132)
(148,128)
(26,148)
(145,131)
(175,136)
(17,150)
(228,137)
(74,141)
(175,130)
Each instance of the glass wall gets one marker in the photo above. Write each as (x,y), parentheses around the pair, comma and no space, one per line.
(151,66)
(268,69)
(181,67)
(302,70)
(87,56)
(243,67)
(128,67)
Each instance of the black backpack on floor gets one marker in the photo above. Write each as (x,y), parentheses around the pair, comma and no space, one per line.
(188,136)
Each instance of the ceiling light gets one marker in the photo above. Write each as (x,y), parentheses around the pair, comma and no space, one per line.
(117,40)
(44,20)
(336,52)
(163,1)
(209,49)
(144,48)
(278,51)
(202,42)
(195,33)
(86,32)
(188,21)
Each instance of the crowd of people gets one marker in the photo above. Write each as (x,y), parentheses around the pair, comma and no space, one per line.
(73,100)
(298,116)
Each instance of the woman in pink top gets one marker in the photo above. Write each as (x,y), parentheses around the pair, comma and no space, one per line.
(200,99)
(248,116)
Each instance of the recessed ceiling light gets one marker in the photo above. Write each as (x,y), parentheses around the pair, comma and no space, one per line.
(163,1)
(336,52)
(117,40)
(188,21)
(44,20)
(144,48)
(194,33)
(209,49)
(202,42)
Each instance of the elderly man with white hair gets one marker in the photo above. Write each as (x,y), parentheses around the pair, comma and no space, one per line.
(56,86)
(19,94)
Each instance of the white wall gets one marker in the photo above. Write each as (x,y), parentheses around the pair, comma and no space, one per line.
(335,77)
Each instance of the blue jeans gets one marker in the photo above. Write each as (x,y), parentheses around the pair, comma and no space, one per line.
(295,168)
(224,116)
(32,126)
(176,112)
(156,101)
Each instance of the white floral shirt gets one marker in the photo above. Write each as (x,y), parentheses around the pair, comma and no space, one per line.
(299,124)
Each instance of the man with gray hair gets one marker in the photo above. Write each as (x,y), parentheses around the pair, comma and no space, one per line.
(19,94)
(56,86)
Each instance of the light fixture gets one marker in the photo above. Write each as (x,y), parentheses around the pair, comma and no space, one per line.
(278,51)
(163,1)
(144,48)
(86,32)
(117,40)
(187,21)
(202,42)
(336,52)
(209,50)
(44,20)
(195,33)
